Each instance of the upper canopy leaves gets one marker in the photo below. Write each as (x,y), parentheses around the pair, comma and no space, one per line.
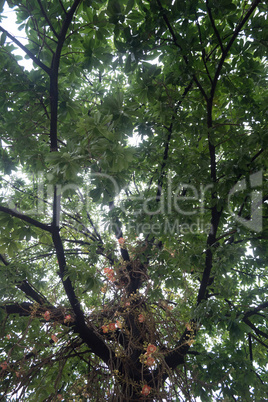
(143,120)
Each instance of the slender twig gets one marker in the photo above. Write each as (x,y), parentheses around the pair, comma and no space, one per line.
(62,6)
(250,347)
(259,341)
(174,37)
(214,26)
(229,45)
(46,18)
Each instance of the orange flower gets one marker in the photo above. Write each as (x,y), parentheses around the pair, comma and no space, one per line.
(8,336)
(190,342)
(47,315)
(150,361)
(109,273)
(59,396)
(141,318)
(112,326)
(111,276)
(118,324)
(54,338)
(67,318)
(145,390)
(121,240)
(3,365)
(106,270)
(151,348)
(104,329)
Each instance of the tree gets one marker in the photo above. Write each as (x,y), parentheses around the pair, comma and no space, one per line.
(133,206)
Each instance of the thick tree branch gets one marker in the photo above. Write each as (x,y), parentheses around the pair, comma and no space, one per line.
(256,156)
(69,290)
(64,276)
(23,309)
(164,162)
(92,339)
(256,310)
(215,214)
(167,143)
(26,218)
(28,52)
(255,329)
(27,309)
(56,207)
(118,233)
(88,335)
(54,77)
(135,269)
(29,291)
(4,261)
(206,280)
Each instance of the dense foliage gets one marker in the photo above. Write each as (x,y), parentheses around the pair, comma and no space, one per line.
(133,201)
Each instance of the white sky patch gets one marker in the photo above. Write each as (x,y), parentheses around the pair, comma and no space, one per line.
(250,252)
(135,140)
(9,24)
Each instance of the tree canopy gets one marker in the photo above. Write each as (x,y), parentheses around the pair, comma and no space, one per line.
(133,201)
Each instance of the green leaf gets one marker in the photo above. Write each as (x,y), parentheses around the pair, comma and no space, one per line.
(2,3)
(3,36)
(130,5)
(133,187)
